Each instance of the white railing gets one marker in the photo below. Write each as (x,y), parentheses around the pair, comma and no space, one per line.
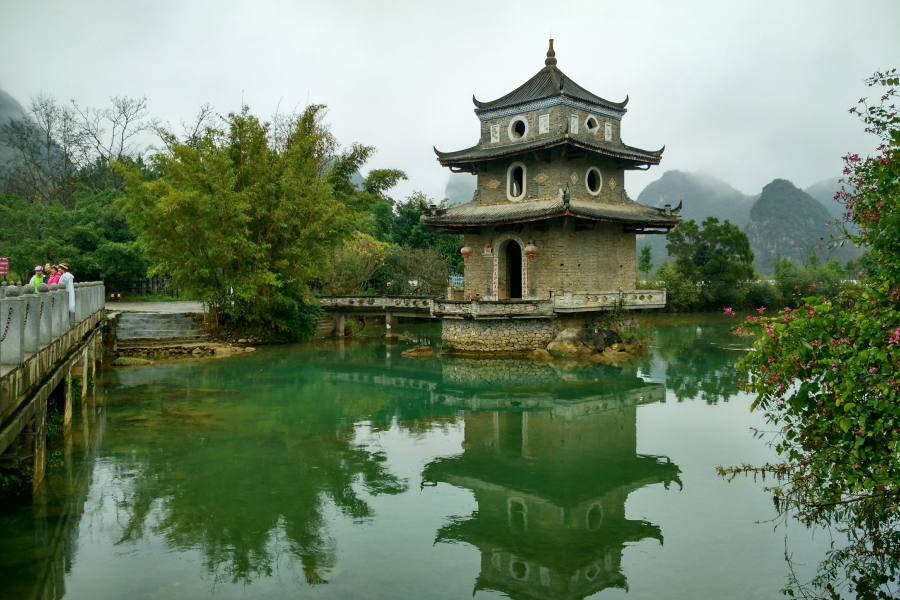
(30,319)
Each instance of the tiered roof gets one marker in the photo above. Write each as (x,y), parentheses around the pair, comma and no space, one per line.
(548,87)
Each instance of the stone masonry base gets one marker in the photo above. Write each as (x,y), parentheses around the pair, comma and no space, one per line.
(498,335)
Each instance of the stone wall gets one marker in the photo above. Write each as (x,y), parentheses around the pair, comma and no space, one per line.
(559,123)
(498,335)
(589,261)
(543,179)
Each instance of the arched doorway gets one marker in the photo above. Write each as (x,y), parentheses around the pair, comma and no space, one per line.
(514,268)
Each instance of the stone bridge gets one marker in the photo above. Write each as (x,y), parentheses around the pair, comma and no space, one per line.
(389,307)
(434,307)
(40,351)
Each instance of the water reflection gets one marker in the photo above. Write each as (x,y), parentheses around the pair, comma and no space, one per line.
(551,470)
(699,360)
(251,462)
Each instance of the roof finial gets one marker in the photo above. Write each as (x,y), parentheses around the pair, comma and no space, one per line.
(551,56)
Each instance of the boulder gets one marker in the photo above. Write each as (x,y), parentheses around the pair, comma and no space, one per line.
(619,353)
(131,361)
(405,337)
(541,355)
(582,341)
(423,351)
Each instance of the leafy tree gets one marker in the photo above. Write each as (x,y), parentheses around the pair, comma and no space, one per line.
(826,377)
(93,237)
(681,293)
(410,232)
(247,214)
(413,271)
(355,264)
(645,262)
(717,258)
(795,282)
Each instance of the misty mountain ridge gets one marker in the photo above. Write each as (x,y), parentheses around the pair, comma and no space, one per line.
(789,222)
(9,109)
(783,219)
(703,196)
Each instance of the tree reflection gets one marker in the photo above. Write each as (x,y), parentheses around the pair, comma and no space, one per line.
(699,364)
(244,485)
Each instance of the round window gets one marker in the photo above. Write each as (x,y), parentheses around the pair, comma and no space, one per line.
(593,181)
(592,124)
(518,128)
(515,179)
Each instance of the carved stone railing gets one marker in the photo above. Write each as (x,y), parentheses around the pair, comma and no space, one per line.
(424,304)
(626,299)
(566,302)
(496,309)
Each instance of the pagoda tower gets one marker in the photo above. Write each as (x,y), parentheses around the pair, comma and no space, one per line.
(550,225)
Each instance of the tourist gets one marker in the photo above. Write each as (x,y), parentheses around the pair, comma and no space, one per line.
(38,277)
(54,278)
(68,280)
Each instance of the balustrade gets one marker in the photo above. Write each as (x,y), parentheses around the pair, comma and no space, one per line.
(31,319)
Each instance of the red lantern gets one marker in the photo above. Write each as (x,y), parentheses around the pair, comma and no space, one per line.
(466,252)
(530,250)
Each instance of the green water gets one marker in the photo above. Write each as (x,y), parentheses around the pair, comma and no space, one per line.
(333,470)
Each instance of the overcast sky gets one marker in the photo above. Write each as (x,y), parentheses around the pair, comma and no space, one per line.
(746,91)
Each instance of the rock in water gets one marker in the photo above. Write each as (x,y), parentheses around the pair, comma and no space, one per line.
(423,351)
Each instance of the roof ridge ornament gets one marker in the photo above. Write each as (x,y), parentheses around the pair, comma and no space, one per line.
(551,56)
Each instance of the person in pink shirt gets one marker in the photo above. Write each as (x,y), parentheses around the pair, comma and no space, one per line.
(55,275)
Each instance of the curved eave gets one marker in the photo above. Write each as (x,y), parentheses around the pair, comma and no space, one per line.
(633,215)
(632,222)
(465,158)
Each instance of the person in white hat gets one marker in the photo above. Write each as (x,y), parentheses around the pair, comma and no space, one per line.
(68,280)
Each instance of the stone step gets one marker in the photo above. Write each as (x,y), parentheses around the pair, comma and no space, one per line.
(158,334)
(158,326)
(127,319)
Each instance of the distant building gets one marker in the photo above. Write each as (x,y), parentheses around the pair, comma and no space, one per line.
(550,215)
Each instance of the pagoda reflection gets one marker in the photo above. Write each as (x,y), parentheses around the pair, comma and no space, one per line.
(551,469)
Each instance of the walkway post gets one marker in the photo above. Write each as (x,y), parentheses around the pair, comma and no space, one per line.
(339,325)
(55,320)
(12,328)
(32,319)
(46,314)
(79,303)
(62,305)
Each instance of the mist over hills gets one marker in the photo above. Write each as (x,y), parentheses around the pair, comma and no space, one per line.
(703,196)
(781,220)
(824,191)
(460,188)
(9,109)
(790,222)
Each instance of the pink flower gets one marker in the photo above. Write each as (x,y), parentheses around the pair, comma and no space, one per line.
(761,309)
(872,370)
(729,311)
